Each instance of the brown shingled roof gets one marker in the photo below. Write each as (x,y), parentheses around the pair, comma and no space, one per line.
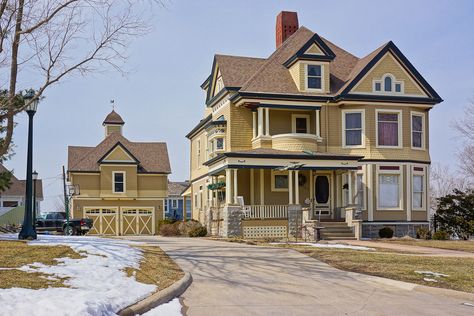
(176,188)
(113,118)
(18,187)
(271,76)
(153,156)
(235,70)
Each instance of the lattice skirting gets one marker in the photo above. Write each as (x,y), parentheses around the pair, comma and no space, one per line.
(265,231)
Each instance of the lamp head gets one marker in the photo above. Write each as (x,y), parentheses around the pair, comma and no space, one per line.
(33,105)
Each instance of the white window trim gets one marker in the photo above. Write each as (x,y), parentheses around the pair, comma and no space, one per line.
(382,85)
(273,174)
(293,122)
(124,182)
(400,188)
(306,77)
(364,187)
(400,129)
(423,130)
(344,112)
(423,196)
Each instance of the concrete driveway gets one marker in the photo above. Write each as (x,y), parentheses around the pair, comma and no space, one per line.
(237,279)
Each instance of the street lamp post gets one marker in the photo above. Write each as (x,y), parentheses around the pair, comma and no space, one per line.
(27,230)
(35,177)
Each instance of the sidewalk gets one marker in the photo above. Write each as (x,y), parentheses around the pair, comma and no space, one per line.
(418,250)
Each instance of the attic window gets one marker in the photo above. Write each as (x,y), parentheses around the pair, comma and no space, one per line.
(388,84)
(314,77)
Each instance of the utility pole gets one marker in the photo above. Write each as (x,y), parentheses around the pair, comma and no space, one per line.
(66,199)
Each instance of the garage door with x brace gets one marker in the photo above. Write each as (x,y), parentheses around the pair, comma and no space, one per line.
(105,220)
(137,220)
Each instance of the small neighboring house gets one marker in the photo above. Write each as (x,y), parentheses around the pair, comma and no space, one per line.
(12,200)
(312,133)
(176,204)
(123,184)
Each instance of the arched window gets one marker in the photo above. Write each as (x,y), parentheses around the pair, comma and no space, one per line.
(388,83)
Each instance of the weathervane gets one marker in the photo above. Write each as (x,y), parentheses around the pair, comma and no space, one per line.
(112,103)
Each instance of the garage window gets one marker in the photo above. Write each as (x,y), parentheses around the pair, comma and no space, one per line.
(119,181)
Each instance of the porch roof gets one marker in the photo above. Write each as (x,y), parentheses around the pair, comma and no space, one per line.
(282,154)
(266,158)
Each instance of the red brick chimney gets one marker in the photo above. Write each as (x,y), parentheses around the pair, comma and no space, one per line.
(286,24)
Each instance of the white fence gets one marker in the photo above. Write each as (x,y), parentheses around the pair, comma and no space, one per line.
(266,211)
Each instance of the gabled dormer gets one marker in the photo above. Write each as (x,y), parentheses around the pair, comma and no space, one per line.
(310,66)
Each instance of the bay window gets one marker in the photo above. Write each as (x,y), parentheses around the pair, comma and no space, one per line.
(417,127)
(418,188)
(389,128)
(389,188)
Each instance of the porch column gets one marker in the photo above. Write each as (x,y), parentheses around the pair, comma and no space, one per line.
(260,122)
(262,187)
(235,186)
(254,126)
(290,187)
(252,186)
(184,209)
(317,126)
(349,188)
(297,189)
(267,122)
(228,186)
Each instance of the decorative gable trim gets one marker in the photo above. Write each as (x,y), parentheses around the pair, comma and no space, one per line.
(404,62)
(302,53)
(132,158)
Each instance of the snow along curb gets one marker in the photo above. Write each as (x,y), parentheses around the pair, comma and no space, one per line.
(158,298)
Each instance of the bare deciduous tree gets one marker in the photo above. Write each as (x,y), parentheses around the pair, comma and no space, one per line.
(465,128)
(44,41)
(443,181)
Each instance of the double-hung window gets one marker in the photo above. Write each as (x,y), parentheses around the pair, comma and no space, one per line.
(389,128)
(314,77)
(389,187)
(300,123)
(353,124)
(417,126)
(119,182)
(418,188)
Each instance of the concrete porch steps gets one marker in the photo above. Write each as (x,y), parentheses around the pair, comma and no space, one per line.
(336,230)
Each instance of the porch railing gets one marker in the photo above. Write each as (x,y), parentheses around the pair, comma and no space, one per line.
(266,211)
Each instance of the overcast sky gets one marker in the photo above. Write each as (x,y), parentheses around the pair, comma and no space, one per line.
(160,100)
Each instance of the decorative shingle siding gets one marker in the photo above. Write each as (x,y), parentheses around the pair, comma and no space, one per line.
(388,64)
(240,131)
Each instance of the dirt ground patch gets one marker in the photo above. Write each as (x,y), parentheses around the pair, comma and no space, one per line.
(15,254)
(157,268)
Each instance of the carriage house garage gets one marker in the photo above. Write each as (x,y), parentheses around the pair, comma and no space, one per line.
(122,184)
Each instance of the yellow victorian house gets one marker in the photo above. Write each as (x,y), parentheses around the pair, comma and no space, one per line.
(312,135)
(122,184)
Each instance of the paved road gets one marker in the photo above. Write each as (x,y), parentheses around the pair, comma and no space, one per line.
(236,279)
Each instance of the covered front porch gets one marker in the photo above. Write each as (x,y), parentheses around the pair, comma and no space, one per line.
(268,188)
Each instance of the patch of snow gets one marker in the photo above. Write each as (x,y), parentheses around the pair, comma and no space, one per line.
(172,308)
(318,245)
(435,274)
(97,283)
(430,280)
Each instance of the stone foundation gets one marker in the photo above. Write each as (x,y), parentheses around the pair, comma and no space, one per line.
(232,221)
(295,220)
(399,229)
